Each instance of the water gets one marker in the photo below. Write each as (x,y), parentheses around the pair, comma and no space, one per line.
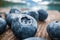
(51,7)
(54,7)
(48,7)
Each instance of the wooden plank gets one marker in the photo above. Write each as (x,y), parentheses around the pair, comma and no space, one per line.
(41,31)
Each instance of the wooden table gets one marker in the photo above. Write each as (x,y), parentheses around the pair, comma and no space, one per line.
(41,32)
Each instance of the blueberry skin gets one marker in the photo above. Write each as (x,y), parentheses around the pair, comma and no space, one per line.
(53,30)
(42,15)
(24,26)
(2,25)
(35,38)
(33,14)
(10,17)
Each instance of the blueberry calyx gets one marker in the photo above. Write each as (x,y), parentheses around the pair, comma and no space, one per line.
(26,20)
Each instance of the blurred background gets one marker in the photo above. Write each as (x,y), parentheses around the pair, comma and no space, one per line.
(28,4)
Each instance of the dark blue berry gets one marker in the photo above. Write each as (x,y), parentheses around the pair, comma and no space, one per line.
(53,30)
(13,10)
(2,25)
(24,26)
(10,17)
(42,15)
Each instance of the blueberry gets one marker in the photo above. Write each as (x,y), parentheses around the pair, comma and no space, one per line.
(24,26)
(33,14)
(10,17)
(42,14)
(53,30)
(35,38)
(13,10)
(2,25)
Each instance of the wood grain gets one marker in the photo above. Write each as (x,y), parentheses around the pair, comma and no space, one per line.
(41,31)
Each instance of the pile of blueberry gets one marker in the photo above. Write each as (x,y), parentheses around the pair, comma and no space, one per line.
(24,25)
